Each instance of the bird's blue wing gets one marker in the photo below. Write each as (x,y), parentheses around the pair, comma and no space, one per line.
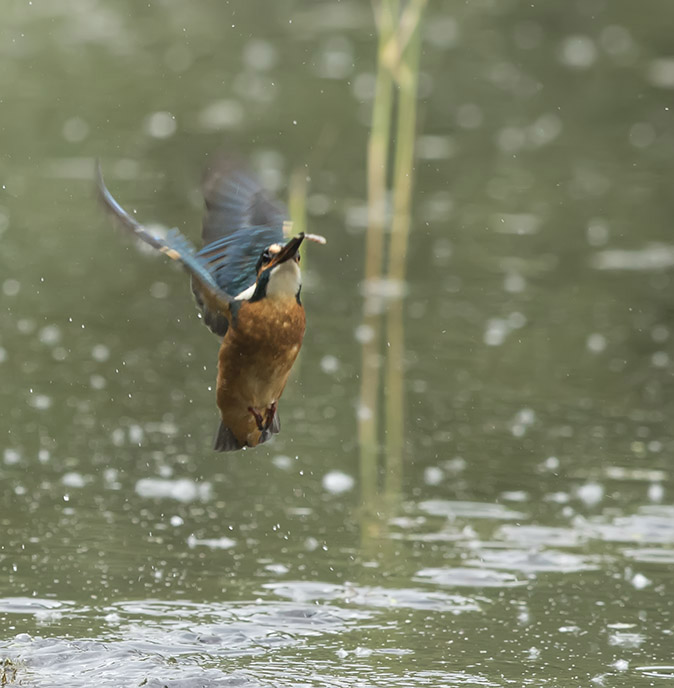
(240,221)
(236,200)
(232,259)
(176,247)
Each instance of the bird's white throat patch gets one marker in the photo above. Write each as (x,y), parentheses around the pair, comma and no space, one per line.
(285,280)
(246,293)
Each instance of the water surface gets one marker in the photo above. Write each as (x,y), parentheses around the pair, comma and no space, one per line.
(531,538)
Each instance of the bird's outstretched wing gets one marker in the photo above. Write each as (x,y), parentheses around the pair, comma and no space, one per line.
(175,246)
(235,200)
(240,221)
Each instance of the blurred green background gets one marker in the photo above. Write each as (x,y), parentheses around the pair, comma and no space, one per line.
(530,538)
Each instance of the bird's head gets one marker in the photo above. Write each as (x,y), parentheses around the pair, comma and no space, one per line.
(278,271)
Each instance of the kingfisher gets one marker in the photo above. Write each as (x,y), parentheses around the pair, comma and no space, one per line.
(246,281)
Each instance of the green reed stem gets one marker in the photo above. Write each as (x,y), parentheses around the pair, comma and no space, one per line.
(297,205)
(377,164)
(403,173)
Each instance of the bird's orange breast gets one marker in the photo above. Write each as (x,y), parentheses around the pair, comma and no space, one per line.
(255,360)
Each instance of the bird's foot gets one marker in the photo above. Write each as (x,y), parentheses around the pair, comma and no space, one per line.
(264,423)
(269,417)
(258,418)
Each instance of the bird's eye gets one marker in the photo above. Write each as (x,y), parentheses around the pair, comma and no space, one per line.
(265,257)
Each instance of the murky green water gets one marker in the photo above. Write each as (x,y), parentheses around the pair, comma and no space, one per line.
(532,539)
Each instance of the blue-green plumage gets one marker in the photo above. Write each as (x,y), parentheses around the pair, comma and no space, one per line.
(239,223)
(247,282)
(233,258)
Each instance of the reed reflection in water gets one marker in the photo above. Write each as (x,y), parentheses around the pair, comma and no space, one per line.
(383,286)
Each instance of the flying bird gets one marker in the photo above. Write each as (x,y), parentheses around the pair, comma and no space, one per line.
(247,281)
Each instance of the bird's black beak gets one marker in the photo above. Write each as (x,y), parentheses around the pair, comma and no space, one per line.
(290,249)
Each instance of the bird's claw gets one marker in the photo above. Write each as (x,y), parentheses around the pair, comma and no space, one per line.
(263,424)
(258,418)
(271,412)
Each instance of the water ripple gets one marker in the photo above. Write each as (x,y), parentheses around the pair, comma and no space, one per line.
(533,561)
(452,509)
(467,577)
(377,597)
